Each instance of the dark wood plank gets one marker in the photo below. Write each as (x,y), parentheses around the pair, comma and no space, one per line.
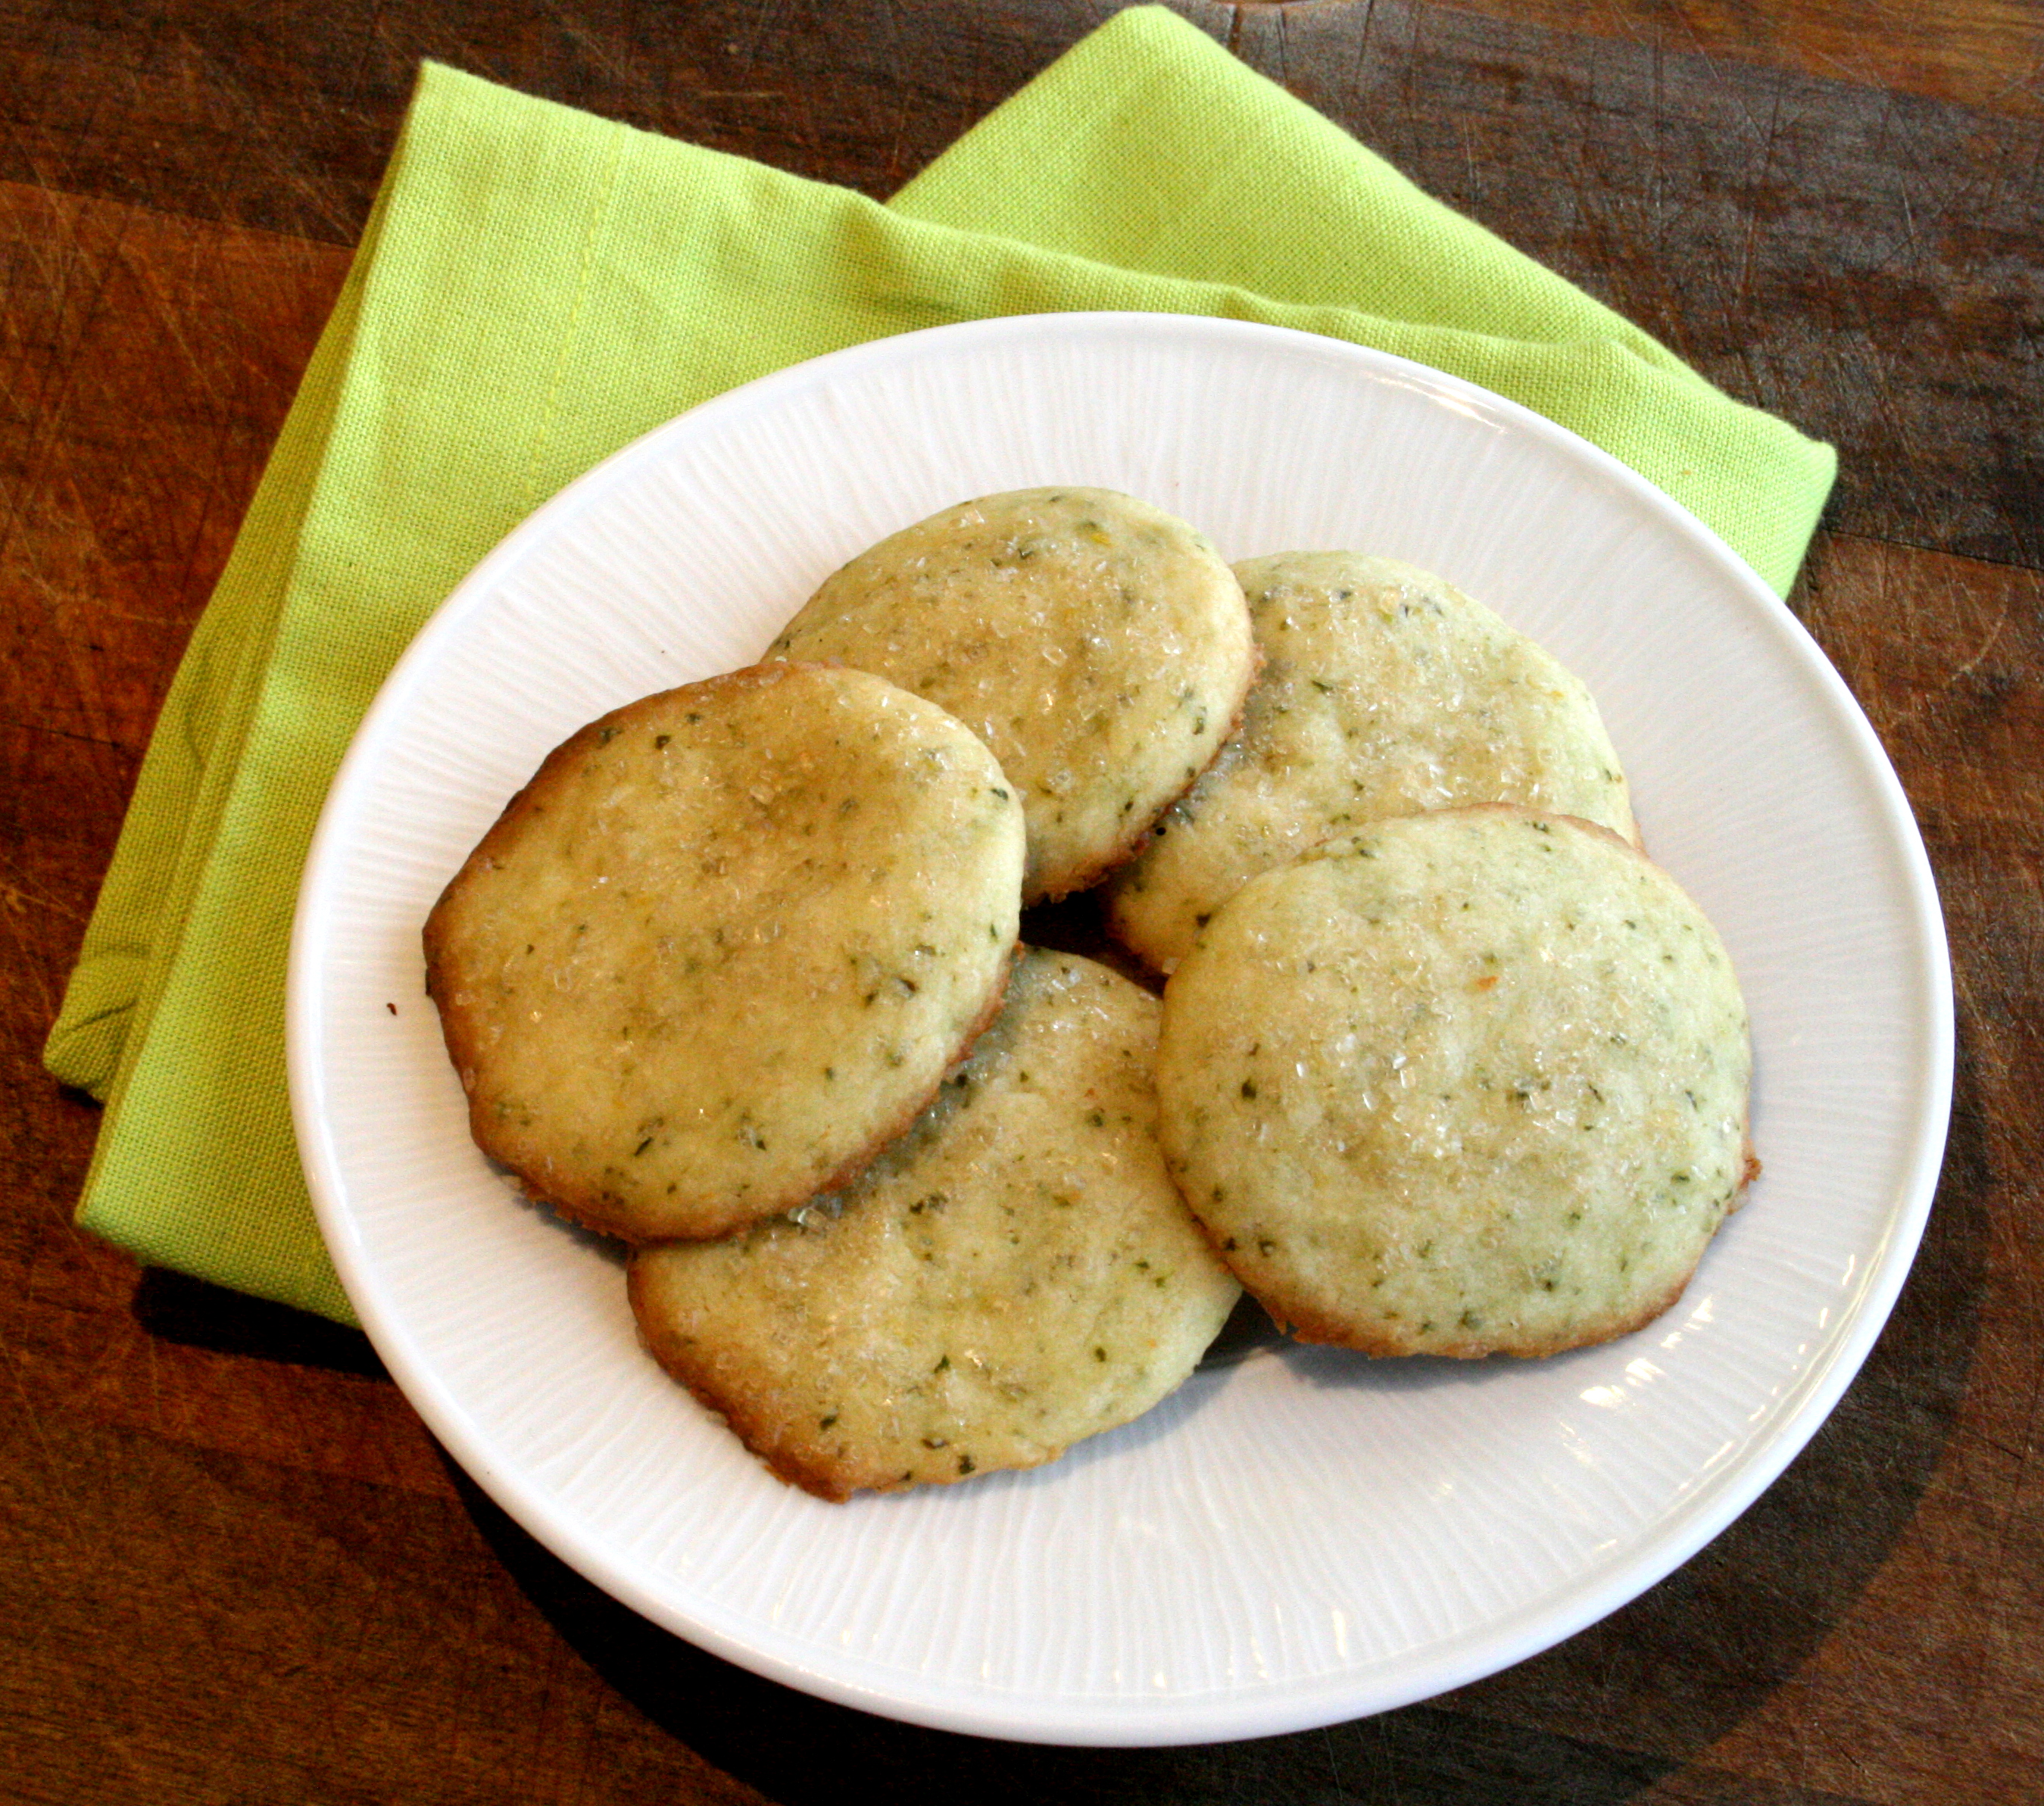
(1857,260)
(1984,54)
(282,117)
(196,1627)
(1786,196)
(146,363)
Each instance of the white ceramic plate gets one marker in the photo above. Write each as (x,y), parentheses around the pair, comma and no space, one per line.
(1305,1537)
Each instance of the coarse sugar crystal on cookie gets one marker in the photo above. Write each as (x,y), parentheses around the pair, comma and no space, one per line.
(1384,691)
(726,944)
(1099,646)
(1466,1082)
(1015,1273)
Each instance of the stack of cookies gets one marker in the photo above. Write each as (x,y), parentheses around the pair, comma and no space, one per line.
(1444,1064)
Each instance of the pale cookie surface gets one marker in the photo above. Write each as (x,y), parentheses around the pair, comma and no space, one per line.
(1100,647)
(1384,691)
(1017,1272)
(726,943)
(1466,1082)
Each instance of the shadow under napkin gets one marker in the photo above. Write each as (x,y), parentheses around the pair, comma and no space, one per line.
(176,1308)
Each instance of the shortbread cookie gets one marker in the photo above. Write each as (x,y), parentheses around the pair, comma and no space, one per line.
(725,943)
(1466,1082)
(1015,1273)
(1098,646)
(1384,691)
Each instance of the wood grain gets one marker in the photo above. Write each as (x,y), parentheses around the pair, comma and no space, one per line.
(1717,174)
(149,361)
(1983,54)
(1860,261)
(236,1568)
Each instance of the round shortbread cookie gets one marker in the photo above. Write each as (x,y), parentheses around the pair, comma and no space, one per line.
(1099,647)
(1384,691)
(1466,1082)
(1015,1273)
(726,944)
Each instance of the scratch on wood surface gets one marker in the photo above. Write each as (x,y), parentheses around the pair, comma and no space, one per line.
(372,34)
(1909,240)
(746,49)
(1697,47)
(111,742)
(2020,1260)
(52,411)
(32,1417)
(17,901)
(153,1367)
(1362,38)
(1414,56)
(898,83)
(1334,1762)
(2026,83)
(1745,285)
(157,354)
(1656,182)
(169,318)
(1986,646)
(626,76)
(29,964)
(57,258)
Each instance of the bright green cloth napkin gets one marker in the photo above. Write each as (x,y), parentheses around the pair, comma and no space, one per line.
(534,288)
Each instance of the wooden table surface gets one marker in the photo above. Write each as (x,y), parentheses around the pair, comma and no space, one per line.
(233,1566)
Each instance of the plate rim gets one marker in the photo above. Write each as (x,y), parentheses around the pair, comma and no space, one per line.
(1129,1719)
